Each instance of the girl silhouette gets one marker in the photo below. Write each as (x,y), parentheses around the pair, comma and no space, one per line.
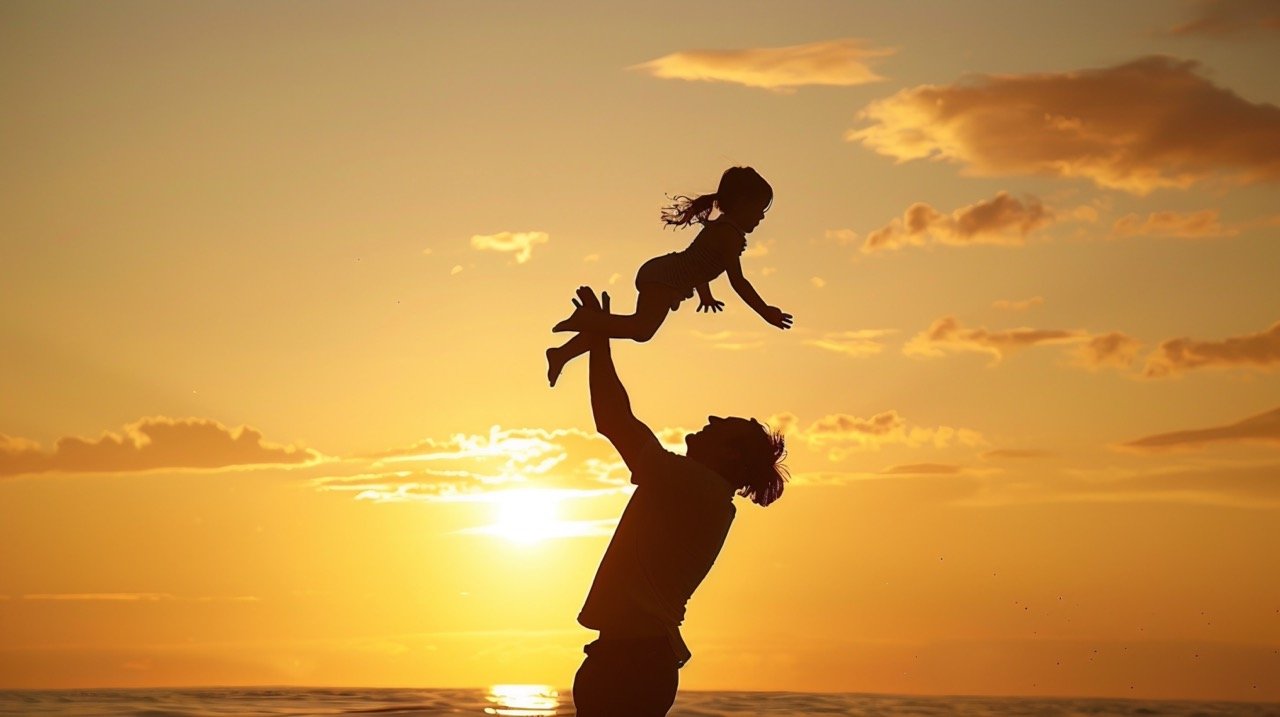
(664,282)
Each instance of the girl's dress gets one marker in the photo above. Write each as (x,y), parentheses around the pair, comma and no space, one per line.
(711,252)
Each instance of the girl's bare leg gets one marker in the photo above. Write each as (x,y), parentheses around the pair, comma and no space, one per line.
(651,310)
(558,356)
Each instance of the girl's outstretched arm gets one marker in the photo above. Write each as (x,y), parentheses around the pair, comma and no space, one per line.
(742,285)
(707,302)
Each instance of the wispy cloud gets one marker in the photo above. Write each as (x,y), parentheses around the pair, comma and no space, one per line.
(1002,220)
(842,433)
(947,335)
(1150,123)
(1017,304)
(1113,349)
(912,469)
(1251,486)
(134,597)
(519,243)
(1231,18)
(731,340)
(1203,224)
(151,443)
(1262,428)
(1016,453)
(759,248)
(855,344)
(841,236)
(842,63)
(1259,350)
(475,466)
(100,597)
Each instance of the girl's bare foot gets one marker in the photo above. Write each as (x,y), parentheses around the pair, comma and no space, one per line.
(573,323)
(555,364)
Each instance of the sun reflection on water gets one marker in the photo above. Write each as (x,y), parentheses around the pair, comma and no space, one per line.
(522,700)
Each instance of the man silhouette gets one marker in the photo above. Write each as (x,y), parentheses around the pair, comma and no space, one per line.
(666,541)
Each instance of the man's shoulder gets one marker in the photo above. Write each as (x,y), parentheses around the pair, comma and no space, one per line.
(670,468)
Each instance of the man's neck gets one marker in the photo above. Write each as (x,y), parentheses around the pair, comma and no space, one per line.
(718,470)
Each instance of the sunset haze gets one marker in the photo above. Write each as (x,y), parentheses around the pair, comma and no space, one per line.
(276,280)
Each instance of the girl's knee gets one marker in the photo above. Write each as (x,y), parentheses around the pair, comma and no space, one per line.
(645,330)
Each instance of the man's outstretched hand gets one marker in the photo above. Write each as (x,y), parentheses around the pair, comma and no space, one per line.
(583,306)
(587,300)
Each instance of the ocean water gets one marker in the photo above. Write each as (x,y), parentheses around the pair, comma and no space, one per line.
(542,701)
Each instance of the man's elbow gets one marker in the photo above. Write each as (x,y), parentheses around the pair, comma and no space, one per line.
(607,427)
(613,427)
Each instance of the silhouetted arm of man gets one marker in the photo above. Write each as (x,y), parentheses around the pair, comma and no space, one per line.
(609,401)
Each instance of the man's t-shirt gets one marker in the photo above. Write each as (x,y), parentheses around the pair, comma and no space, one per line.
(666,542)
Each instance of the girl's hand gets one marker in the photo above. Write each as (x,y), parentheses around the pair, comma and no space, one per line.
(775,316)
(711,306)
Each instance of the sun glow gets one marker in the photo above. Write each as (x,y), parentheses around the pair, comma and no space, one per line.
(526,516)
(532,516)
(522,700)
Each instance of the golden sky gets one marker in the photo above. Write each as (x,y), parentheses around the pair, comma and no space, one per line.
(276,280)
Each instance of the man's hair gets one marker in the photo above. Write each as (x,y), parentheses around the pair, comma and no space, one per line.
(763,473)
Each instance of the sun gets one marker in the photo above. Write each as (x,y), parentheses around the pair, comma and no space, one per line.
(526,516)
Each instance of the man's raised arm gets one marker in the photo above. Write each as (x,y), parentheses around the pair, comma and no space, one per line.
(610,404)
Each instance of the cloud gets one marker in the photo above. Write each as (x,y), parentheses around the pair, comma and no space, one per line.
(732,340)
(855,344)
(133,597)
(1017,304)
(947,335)
(100,597)
(1262,428)
(759,248)
(922,469)
(474,466)
(1150,123)
(577,463)
(1110,349)
(818,282)
(1002,220)
(1016,453)
(841,63)
(148,444)
(834,478)
(841,433)
(1195,225)
(841,236)
(1259,350)
(1253,486)
(522,243)
(1225,18)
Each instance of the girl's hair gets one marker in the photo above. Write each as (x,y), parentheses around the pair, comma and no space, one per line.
(762,469)
(736,184)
